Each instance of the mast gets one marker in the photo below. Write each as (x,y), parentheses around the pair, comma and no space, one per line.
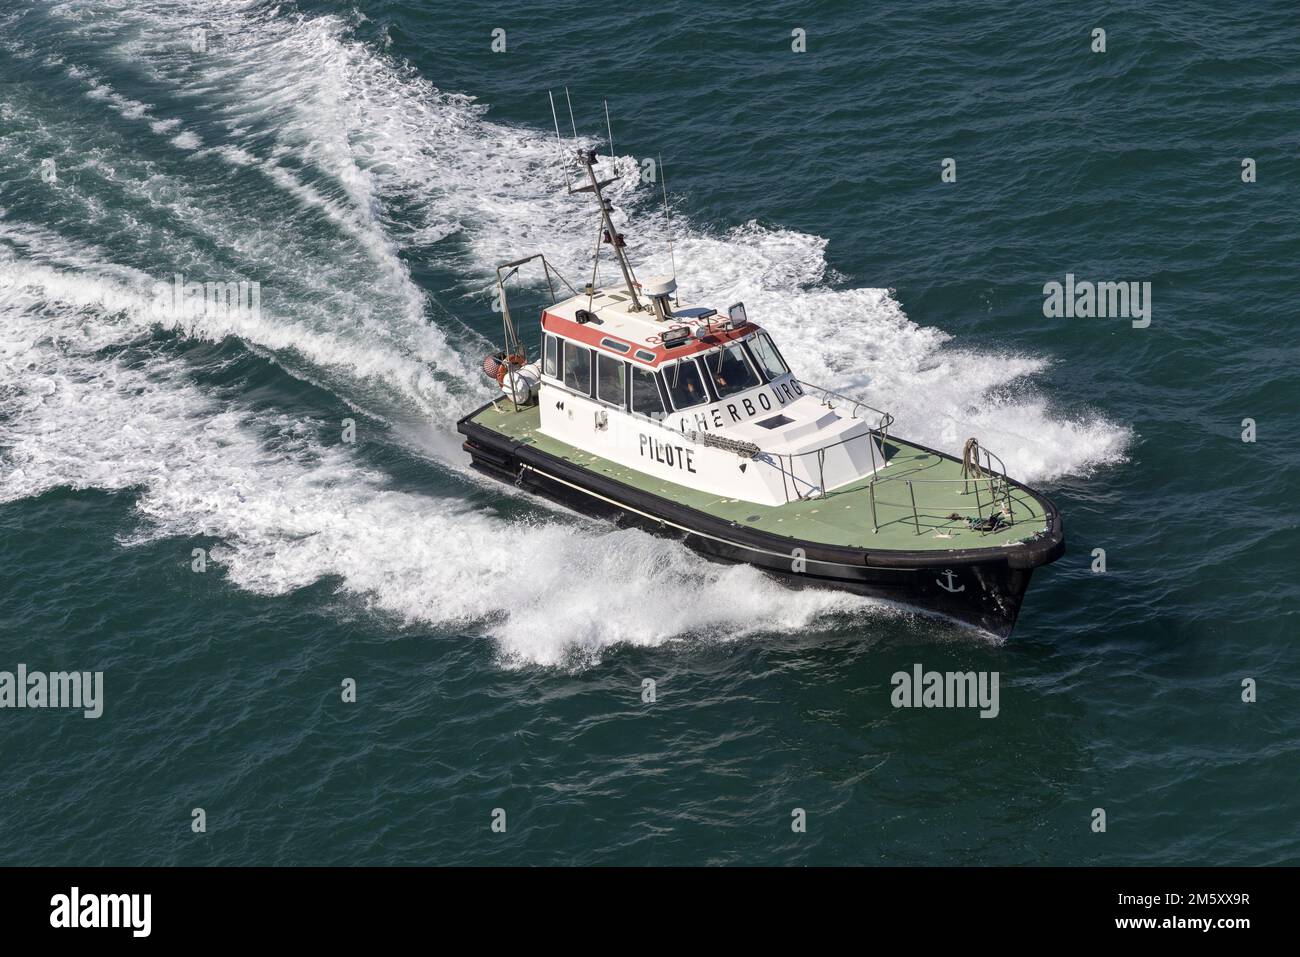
(588,159)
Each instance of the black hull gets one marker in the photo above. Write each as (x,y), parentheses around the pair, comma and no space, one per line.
(985,588)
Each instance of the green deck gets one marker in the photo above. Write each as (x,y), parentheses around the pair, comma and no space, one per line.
(843,517)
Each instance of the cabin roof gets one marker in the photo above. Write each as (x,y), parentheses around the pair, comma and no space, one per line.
(641,331)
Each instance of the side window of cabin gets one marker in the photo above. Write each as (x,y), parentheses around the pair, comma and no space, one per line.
(765,354)
(684,384)
(610,379)
(645,393)
(549,363)
(577,368)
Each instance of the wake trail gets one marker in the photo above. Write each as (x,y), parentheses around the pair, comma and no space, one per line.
(324,166)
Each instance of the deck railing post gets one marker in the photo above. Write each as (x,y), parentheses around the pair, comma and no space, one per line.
(875,526)
(915,518)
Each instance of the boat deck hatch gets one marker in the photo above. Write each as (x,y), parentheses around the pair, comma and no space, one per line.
(775,422)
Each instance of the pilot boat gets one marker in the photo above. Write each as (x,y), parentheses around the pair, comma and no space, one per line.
(687,422)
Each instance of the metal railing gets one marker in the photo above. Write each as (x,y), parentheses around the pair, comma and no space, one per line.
(1002,495)
(856,410)
(790,482)
(856,406)
(513,345)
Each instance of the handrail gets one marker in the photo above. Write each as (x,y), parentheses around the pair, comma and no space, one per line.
(513,345)
(880,430)
(1001,495)
(785,460)
(883,423)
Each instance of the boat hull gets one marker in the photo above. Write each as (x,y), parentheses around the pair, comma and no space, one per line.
(978,587)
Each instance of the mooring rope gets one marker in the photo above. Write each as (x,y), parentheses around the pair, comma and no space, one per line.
(970,460)
(746,450)
(999,490)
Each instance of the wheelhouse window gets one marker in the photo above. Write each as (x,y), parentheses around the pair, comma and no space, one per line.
(729,371)
(549,362)
(610,379)
(645,393)
(577,368)
(765,354)
(685,387)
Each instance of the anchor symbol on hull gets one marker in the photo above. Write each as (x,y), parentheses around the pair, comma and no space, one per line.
(947,573)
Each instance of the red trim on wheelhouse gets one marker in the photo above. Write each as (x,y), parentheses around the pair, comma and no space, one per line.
(591,335)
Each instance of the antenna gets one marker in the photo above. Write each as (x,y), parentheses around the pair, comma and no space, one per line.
(563,163)
(663,181)
(571,123)
(611,135)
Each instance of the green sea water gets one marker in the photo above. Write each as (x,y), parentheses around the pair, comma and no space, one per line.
(368,164)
